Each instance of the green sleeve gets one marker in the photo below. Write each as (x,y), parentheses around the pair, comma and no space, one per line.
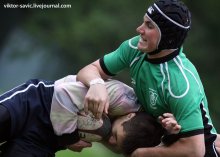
(121,58)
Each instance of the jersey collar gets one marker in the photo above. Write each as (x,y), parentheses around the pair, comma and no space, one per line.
(163,59)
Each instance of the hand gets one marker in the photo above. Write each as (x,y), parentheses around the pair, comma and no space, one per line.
(169,122)
(96,100)
(79,146)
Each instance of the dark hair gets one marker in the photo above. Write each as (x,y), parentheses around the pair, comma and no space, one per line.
(142,130)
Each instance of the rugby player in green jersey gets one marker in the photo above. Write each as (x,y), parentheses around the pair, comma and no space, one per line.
(163,78)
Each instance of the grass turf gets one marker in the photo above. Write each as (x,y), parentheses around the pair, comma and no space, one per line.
(97,150)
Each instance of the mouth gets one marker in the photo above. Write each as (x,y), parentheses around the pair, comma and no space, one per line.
(142,40)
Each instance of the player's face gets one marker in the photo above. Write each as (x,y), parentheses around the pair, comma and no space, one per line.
(118,133)
(149,36)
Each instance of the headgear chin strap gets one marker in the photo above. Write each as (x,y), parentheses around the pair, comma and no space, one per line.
(154,52)
(173,20)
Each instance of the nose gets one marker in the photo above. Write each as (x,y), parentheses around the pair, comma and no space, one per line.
(139,29)
(112,141)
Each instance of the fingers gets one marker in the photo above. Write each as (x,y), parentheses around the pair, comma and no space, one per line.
(168,115)
(167,119)
(85,144)
(100,108)
(79,146)
(160,118)
(96,100)
(169,122)
(86,106)
(106,107)
(177,127)
(96,107)
(82,113)
(174,130)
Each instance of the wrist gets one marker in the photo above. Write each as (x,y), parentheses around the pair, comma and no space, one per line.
(96,81)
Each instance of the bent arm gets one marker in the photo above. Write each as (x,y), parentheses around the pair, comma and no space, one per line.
(96,99)
(192,146)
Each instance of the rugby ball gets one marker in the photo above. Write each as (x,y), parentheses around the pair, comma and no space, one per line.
(93,130)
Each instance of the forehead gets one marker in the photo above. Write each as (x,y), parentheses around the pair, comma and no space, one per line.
(120,138)
(148,19)
(120,135)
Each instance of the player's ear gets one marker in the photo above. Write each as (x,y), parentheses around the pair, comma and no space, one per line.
(112,140)
(131,115)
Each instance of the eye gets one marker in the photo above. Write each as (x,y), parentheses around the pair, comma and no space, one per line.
(149,24)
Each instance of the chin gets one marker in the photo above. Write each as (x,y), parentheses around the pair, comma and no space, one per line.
(142,49)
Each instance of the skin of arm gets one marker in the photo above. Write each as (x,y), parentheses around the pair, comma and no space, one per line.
(96,99)
(90,72)
(192,146)
(79,146)
(217,143)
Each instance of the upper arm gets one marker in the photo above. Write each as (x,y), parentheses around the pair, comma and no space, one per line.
(90,72)
(110,64)
(97,66)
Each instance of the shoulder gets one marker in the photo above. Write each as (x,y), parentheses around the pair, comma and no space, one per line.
(182,79)
(129,48)
(132,42)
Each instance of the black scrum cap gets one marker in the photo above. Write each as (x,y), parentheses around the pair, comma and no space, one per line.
(173,19)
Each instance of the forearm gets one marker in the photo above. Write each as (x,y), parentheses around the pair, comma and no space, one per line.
(185,147)
(161,151)
(96,99)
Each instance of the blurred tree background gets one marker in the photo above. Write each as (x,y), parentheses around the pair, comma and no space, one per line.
(52,43)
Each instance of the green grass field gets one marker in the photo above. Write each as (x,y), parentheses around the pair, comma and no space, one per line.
(97,150)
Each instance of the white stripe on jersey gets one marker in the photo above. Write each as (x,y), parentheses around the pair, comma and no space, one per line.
(184,75)
(161,69)
(24,90)
(189,72)
(180,65)
(130,44)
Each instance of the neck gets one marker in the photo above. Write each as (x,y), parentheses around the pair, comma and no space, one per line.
(161,54)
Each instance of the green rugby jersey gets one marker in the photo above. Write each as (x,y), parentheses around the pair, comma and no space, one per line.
(169,84)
